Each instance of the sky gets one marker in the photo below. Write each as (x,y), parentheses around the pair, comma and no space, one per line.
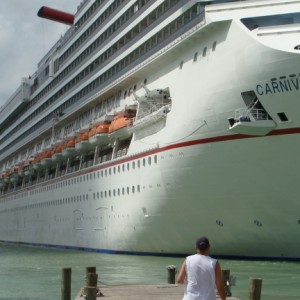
(25,38)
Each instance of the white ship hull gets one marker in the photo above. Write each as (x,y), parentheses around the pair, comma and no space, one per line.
(194,176)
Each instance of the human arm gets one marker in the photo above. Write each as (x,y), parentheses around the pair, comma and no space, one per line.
(219,281)
(182,273)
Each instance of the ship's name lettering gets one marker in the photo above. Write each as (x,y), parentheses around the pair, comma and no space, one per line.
(276,87)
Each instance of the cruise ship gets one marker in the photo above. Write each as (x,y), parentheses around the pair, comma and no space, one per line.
(152,122)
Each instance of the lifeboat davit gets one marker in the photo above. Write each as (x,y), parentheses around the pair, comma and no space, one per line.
(98,134)
(120,126)
(56,153)
(69,148)
(46,158)
(82,143)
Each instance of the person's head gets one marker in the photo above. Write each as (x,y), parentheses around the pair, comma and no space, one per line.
(202,244)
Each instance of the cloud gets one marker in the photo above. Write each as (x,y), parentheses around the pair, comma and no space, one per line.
(25,39)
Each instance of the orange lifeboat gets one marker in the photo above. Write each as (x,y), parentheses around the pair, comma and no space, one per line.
(29,166)
(98,134)
(82,141)
(21,169)
(121,124)
(36,162)
(69,148)
(5,176)
(56,153)
(46,158)
(14,175)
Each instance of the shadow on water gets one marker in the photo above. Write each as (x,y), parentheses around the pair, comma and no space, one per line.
(35,273)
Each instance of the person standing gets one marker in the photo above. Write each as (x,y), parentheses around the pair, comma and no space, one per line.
(202,274)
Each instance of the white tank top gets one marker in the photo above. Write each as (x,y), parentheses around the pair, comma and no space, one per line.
(200,270)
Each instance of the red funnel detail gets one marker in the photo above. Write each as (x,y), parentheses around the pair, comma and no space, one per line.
(56,15)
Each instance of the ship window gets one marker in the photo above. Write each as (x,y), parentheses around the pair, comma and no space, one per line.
(214,46)
(196,56)
(204,51)
(282,116)
(155,159)
(181,65)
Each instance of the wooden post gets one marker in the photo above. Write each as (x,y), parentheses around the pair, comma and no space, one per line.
(66,284)
(90,293)
(171,274)
(91,280)
(226,282)
(255,285)
(90,270)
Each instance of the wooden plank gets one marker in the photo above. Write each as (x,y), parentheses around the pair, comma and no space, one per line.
(143,292)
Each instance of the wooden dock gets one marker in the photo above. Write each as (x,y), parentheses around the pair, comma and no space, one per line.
(142,292)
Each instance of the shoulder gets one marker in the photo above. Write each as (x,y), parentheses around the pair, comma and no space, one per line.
(212,260)
(190,257)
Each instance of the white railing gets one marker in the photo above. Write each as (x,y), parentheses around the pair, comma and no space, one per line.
(246,114)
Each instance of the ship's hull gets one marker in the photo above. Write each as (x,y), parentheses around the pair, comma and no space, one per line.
(192,176)
(239,200)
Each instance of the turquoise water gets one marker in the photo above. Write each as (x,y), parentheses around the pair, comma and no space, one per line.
(32,273)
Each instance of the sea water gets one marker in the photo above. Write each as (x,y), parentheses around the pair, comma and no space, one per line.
(34,273)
